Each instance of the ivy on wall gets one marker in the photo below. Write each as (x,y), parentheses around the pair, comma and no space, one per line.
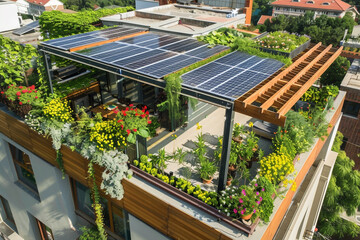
(56,24)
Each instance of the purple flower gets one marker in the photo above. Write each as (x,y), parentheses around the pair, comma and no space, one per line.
(263,189)
(235,211)
(242,212)
(254,210)
(258,202)
(256,184)
(243,192)
(261,198)
(240,200)
(257,193)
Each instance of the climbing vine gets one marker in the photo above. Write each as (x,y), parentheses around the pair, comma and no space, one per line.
(96,205)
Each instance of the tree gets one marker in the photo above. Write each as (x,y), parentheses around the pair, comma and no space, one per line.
(343,194)
(336,72)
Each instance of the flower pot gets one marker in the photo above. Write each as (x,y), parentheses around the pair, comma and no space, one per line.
(232,168)
(228,181)
(247,217)
(237,139)
(207,181)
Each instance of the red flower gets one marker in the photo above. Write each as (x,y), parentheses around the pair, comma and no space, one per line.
(135,130)
(122,127)
(131,105)
(143,110)
(28,100)
(36,97)
(136,114)
(126,109)
(29,91)
(149,122)
(20,103)
(35,91)
(143,115)
(145,107)
(24,91)
(116,111)
(18,97)
(32,87)
(128,131)
(8,86)
(20,87)
(2,92)
(120,120)
(147,113)
(18,93)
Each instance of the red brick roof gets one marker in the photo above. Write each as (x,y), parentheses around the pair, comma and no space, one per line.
(336,5)
(38,2)
(263,18)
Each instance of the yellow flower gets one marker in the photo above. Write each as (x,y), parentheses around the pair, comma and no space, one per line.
(251,124)
(198,126)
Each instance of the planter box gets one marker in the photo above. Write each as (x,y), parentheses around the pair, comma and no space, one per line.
(43,147)
(249,229)
(291,54)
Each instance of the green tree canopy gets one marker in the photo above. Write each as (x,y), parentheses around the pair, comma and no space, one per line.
(343,194)
(336,72)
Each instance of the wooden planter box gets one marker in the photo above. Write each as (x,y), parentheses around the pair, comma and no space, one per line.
(291,54)
(43,147)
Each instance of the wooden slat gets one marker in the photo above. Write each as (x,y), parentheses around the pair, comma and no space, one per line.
(4,128)
(284,109)
(19,132)
(287,86)
(183,226)
(105,41)
(42,147)
(261,90)
(75,165)
(255,112)
(145,206)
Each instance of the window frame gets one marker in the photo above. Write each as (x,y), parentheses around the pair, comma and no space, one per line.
(22,165)
(110,206)
(346,105)
(11,219)
(43,231)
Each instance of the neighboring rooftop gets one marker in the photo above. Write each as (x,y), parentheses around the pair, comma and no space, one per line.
(352,77)
(263,18)
(335,5)
(190,20)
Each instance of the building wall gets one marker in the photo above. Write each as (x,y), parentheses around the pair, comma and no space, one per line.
(8,17)
(224,3)
(293,11)
(141,231)
(350,127)
(53,206)
(141,4)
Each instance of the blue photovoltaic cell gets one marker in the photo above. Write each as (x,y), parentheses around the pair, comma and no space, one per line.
(223,77)
(114,52)
(27,28)
(165,42)
(81,43)
(139,39)
(232,75)
(148,61)
(138,57)
(205,52)
(123,54)
(203,74)
(161,65)
(100,49)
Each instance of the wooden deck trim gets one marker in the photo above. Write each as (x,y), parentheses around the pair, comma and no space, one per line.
(288,85)
(269,84)
(105,41)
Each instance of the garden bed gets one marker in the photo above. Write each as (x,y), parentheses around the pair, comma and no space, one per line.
(290,49)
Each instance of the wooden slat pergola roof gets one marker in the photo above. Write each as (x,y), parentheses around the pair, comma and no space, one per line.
(278,94)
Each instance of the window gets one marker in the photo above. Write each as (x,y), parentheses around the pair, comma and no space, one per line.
(23,168)
(351,108)
(7,210)
(45,231)
(115,218)
(296,0)
(343,145)
(326,3)
(310,2)
(277,8)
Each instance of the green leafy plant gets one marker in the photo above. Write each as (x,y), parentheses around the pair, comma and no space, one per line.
(16,59)
(159,160)
(153,126)
(206,169)
(89,234)
(282,41)
(223,36)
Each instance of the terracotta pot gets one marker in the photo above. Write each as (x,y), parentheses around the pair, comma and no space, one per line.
(247,217)
(207,181)
(228,182)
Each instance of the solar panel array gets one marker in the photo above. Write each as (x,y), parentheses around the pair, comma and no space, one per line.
(232,75)
(66,43)
(27,28)
(154,55)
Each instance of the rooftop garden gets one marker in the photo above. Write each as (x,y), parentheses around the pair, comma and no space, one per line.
(103,141)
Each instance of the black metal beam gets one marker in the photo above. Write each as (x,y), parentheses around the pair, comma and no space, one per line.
(226,146)
(47,64)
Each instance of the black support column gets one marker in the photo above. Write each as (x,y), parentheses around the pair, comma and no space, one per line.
(225,154)
(47,66)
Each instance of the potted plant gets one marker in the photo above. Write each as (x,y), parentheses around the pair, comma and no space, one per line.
(237,131)
(206,170)
(229,179)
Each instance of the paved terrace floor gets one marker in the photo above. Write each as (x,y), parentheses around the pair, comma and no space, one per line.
(212,128)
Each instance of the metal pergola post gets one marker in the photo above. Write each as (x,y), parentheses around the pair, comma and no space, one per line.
(226,146)
(47,66)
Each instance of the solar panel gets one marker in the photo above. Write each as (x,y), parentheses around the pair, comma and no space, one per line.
(153,59)
(69,42)
(100,49)
(27,28)
(232,75)
(138,57)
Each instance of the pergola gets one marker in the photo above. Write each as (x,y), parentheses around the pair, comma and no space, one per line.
(276,94)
